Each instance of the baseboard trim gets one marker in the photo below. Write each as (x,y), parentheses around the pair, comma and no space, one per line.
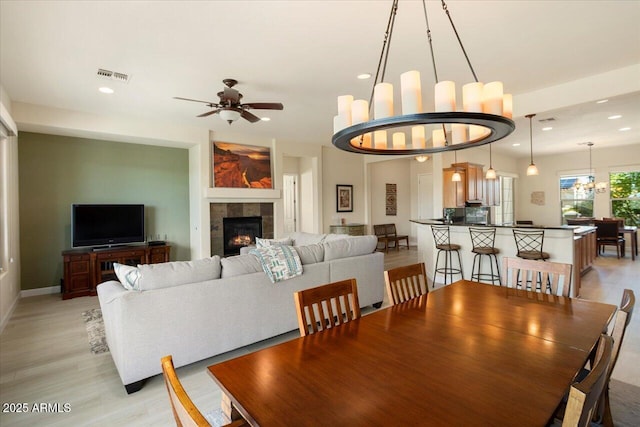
(5,320)
(40,291)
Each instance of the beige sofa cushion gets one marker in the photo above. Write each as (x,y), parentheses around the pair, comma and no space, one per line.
(168,274)
(310,254)
(240,264)
(349,247)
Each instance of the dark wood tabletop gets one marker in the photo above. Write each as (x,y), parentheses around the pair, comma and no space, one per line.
(466,354)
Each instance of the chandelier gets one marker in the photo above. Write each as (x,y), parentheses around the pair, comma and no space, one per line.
(485,116)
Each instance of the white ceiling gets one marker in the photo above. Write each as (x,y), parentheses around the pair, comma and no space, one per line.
(306,53)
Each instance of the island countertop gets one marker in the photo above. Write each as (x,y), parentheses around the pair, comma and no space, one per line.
(577,229)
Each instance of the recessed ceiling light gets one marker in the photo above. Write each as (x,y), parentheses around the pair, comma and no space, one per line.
(517,144)
(617,116)
(265,119)
(602,101)
(105,89)
(547,128)
(364,76)
(624,129)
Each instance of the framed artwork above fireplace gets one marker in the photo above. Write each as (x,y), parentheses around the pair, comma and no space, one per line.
(240,166)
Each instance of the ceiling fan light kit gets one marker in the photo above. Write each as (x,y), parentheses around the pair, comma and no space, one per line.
(486,115)
(230,109)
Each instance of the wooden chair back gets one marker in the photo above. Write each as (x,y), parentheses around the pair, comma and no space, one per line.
(524,222)
(405,283)
(327,306)
(607,230)
(551,277)
(380,230)
(584,396)
(623,317)
(184,411)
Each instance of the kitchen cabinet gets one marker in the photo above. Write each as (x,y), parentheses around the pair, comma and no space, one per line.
(454,193)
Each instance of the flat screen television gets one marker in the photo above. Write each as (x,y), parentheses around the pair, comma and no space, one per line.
(106,224)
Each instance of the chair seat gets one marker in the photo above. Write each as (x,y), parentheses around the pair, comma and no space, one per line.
(449,247)
(486,251)
(533,255)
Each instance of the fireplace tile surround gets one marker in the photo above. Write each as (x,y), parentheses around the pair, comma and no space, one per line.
(218,211)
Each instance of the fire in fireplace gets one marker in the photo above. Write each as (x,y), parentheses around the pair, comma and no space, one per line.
(239,232)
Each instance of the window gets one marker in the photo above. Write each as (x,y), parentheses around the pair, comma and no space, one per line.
(4,226)
(576,196)
(625,196)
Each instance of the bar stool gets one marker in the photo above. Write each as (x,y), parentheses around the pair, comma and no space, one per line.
(529,246)
(483,241)
(443,243)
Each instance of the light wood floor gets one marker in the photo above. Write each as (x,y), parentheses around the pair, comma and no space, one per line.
(45,358)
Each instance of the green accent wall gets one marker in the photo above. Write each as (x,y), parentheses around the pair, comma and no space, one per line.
(57,171)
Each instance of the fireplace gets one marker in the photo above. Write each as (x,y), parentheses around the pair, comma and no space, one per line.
(239,232)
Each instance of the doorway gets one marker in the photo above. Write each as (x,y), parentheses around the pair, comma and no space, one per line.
(290,200)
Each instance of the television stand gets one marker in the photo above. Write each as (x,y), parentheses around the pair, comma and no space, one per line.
(85,269)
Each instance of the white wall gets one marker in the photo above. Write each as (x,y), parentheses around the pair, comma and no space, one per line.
(399,172)
(10,276)
(341,167)
(604,160)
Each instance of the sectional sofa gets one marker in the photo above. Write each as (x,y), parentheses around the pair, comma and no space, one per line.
(194,310)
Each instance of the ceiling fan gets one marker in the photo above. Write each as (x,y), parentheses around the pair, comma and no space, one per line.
(230,108)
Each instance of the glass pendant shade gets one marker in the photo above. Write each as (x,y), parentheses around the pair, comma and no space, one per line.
(532,170)
(491,173)
(456,177)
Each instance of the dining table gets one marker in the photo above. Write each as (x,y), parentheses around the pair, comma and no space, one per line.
(632,231)
(465,354)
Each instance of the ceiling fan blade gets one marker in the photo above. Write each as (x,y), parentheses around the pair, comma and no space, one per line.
(264,105)
(208,113)
(248,116)
(195,100)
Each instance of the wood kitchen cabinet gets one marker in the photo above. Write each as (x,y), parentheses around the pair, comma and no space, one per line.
(475,180)
(454,193)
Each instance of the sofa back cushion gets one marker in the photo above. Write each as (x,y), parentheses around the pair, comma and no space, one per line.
(167,274)
(310,254)
(240,264)
(350,246)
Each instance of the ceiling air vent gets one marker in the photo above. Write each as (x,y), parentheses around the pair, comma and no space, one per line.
(550,119)
(112,75)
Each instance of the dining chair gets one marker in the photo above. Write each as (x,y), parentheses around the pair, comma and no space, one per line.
(623,317)
(584,395)
(406,282)
(327,306)
(608,234)
(556,275)
(184,411)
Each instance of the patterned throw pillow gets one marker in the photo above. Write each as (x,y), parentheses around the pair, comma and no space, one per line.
(127,275)
(263,243)
(279,262)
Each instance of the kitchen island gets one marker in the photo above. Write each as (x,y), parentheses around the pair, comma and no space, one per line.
(573,245)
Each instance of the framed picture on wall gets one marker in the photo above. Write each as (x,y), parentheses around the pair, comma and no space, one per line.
(240,166)
(344,198)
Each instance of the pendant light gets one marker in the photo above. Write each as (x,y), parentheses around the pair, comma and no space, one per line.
(532,169)
(491,173)
(456,175)
(361,126)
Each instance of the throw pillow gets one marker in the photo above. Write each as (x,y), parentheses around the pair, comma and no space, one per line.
(128,276)
(279,262)
(168,274)
(310,254)
(239,264)
(352,246)
(262,243)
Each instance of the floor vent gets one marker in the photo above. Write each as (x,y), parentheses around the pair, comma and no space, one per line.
(112,75)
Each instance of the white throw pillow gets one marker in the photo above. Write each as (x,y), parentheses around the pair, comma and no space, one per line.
(310,254)
(263,243)
(240,264)
(167,274)
(352,246)
(128,276)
